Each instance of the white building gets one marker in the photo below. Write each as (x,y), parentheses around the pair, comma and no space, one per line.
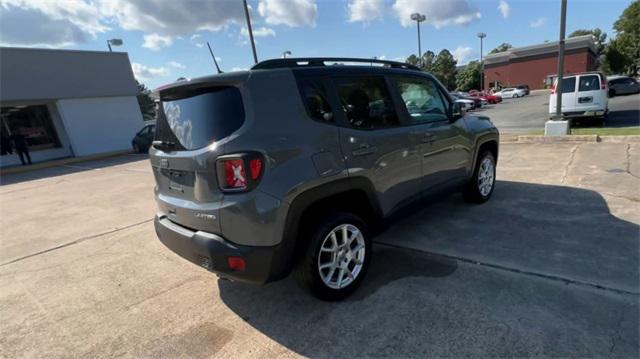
(67,103)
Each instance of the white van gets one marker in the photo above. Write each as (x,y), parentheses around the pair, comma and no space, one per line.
(583,95)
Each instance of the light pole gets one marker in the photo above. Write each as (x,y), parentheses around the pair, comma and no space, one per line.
(557,125)
(285,54)
(114,42)
(481,35)
(253,44)
(418,18)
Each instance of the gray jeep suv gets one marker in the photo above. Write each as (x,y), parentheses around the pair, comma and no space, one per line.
(293,165)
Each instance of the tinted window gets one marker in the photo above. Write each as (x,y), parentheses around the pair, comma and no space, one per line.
(589,83)
(422,100)
(366,102)
(314,96)
(201,117)
(569,85)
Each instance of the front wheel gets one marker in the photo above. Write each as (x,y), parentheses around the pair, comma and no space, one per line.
(480,187)
(337,257)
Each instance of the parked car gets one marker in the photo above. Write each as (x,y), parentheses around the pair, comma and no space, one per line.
(143,139)
(510,92)
(583,95)
(476,101)
(622,85)
(523,87)
(466,104)
(293,164)
(492,99)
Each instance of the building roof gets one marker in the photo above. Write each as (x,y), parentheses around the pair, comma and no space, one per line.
(572,43)
(28,74)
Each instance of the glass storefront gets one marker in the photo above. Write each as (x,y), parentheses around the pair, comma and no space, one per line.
(33,122)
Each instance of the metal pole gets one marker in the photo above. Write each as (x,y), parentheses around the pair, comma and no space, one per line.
(419,46)
(481,67)
(215,62)
(253,44)
(563,23)
(109,44)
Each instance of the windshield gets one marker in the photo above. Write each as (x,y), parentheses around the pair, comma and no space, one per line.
(200,118)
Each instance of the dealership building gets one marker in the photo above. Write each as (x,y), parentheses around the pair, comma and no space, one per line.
(66,103)
(537,65)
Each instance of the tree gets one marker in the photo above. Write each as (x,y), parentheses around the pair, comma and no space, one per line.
(502,47)
(146,103)
(627,28)
(469,77)
(444,68)
(428,59)
(412,60)
(613,62)
(601,38)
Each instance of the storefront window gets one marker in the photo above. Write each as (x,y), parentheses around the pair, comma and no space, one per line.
(32,122)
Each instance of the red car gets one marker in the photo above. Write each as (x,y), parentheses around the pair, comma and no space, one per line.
(486,96)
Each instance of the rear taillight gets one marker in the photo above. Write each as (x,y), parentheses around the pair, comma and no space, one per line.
(239,172)
(553,88)
(603,84)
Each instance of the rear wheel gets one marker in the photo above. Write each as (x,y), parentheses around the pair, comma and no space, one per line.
(480,187)
(337,257)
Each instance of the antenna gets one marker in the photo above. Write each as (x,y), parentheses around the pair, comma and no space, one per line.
(214,58)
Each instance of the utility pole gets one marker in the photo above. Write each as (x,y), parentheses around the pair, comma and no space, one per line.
(481,35)
(418,18)
(253,44)
(557,125)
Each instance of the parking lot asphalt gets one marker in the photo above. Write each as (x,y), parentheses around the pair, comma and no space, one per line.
(529,114)
(548,267)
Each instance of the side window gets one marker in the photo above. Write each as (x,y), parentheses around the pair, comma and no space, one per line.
(422,100)
(589,83)
(314,96)
(152,130)
(569,85)
(366,102)
(144,131)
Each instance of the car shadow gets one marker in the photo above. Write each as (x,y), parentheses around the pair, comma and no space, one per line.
(416,300)
(65,169)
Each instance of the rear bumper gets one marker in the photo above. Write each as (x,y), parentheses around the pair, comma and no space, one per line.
(210,251)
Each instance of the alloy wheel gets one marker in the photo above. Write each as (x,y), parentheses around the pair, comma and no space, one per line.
(341,256)
(486,176)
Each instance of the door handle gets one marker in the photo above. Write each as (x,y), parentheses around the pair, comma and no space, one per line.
(363,150)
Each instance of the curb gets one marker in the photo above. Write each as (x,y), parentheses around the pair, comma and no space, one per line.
(61,162)
(571,139)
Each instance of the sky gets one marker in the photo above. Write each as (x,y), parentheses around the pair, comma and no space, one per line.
(166,39)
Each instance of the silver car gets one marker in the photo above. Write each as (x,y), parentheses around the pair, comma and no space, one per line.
(622,86)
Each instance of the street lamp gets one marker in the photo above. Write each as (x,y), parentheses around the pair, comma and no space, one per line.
(114,42)
(418,18)
(481,35)
(285,54)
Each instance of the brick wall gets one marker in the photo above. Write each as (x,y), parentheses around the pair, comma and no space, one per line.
(532,71)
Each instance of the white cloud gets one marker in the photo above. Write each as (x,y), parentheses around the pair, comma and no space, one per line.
(176,65)
(142,72)
(289,12)
(504,8)
(239,69)
(258,32)
(439,13)
(538,22)
(462,54)
(48,23)
(155,42)
(365,10)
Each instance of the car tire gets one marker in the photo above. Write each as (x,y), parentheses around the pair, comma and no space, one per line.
(480,187)
(335,262)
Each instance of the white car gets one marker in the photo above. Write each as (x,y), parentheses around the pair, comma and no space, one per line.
(511,92)
(583,95)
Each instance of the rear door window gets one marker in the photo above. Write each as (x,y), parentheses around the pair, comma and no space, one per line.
(589,83)
(569,85)
(197,118)
(367,102)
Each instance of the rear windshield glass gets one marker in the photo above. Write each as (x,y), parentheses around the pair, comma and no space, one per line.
(589,83)
(569,85)
(201,118)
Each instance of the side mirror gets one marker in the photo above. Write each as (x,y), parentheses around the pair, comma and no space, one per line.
(457,112)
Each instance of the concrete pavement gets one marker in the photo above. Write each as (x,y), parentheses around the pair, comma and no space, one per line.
(548,267)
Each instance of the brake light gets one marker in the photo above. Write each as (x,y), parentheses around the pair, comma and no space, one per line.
(603,84)
(234,174)
(239,173)
(553,88)
(236,263)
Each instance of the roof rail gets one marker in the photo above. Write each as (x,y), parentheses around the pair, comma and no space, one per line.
(320,61)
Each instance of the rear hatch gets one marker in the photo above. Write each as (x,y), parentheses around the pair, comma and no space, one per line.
(194,122)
